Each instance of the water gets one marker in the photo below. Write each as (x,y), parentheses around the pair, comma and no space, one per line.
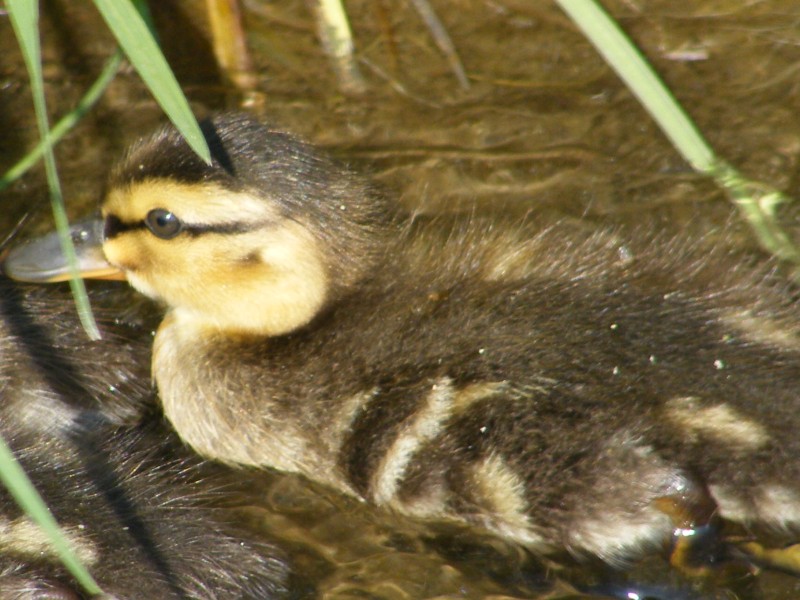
(545,128)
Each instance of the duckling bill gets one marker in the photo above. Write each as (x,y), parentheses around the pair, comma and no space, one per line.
(553,387)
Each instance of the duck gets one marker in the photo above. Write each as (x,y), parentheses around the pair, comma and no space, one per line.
(602,394)
(139,510)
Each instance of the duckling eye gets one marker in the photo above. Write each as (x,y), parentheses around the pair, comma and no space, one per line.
(163,224)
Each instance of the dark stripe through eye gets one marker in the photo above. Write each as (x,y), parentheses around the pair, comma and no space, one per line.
(115,226)
(221,228)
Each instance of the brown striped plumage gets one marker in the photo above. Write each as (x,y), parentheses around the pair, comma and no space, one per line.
(553,386)
(136,507)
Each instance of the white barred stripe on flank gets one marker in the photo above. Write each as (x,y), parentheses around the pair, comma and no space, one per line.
(762,329)
(345,416)
(719,422)
(501,491)
(442,402)
(24,537)
(474,392)
(425,425)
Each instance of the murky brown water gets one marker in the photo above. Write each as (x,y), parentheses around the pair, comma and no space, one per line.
(545,127)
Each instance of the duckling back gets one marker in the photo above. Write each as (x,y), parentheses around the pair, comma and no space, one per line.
(139,515)
(135,506)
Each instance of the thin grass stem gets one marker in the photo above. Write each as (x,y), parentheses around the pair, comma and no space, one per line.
(756,201)
(24,16)
(25,22)
(67,122)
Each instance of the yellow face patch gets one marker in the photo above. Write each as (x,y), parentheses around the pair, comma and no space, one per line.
(236,264)
(198,204)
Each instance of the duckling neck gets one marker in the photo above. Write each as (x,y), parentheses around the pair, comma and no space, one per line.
(230,401)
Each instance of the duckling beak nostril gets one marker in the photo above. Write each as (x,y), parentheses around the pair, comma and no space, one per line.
(42,260)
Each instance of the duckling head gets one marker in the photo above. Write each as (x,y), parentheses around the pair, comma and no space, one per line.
(258,242)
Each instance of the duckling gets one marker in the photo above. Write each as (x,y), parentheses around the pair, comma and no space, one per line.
(134,504)
(566,391)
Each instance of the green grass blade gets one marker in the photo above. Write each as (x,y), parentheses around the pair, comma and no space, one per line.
(17,482)
(24,16)
(25,21)
(143,8)
(640,78)
(756,201)
(142,50)
(67,122)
